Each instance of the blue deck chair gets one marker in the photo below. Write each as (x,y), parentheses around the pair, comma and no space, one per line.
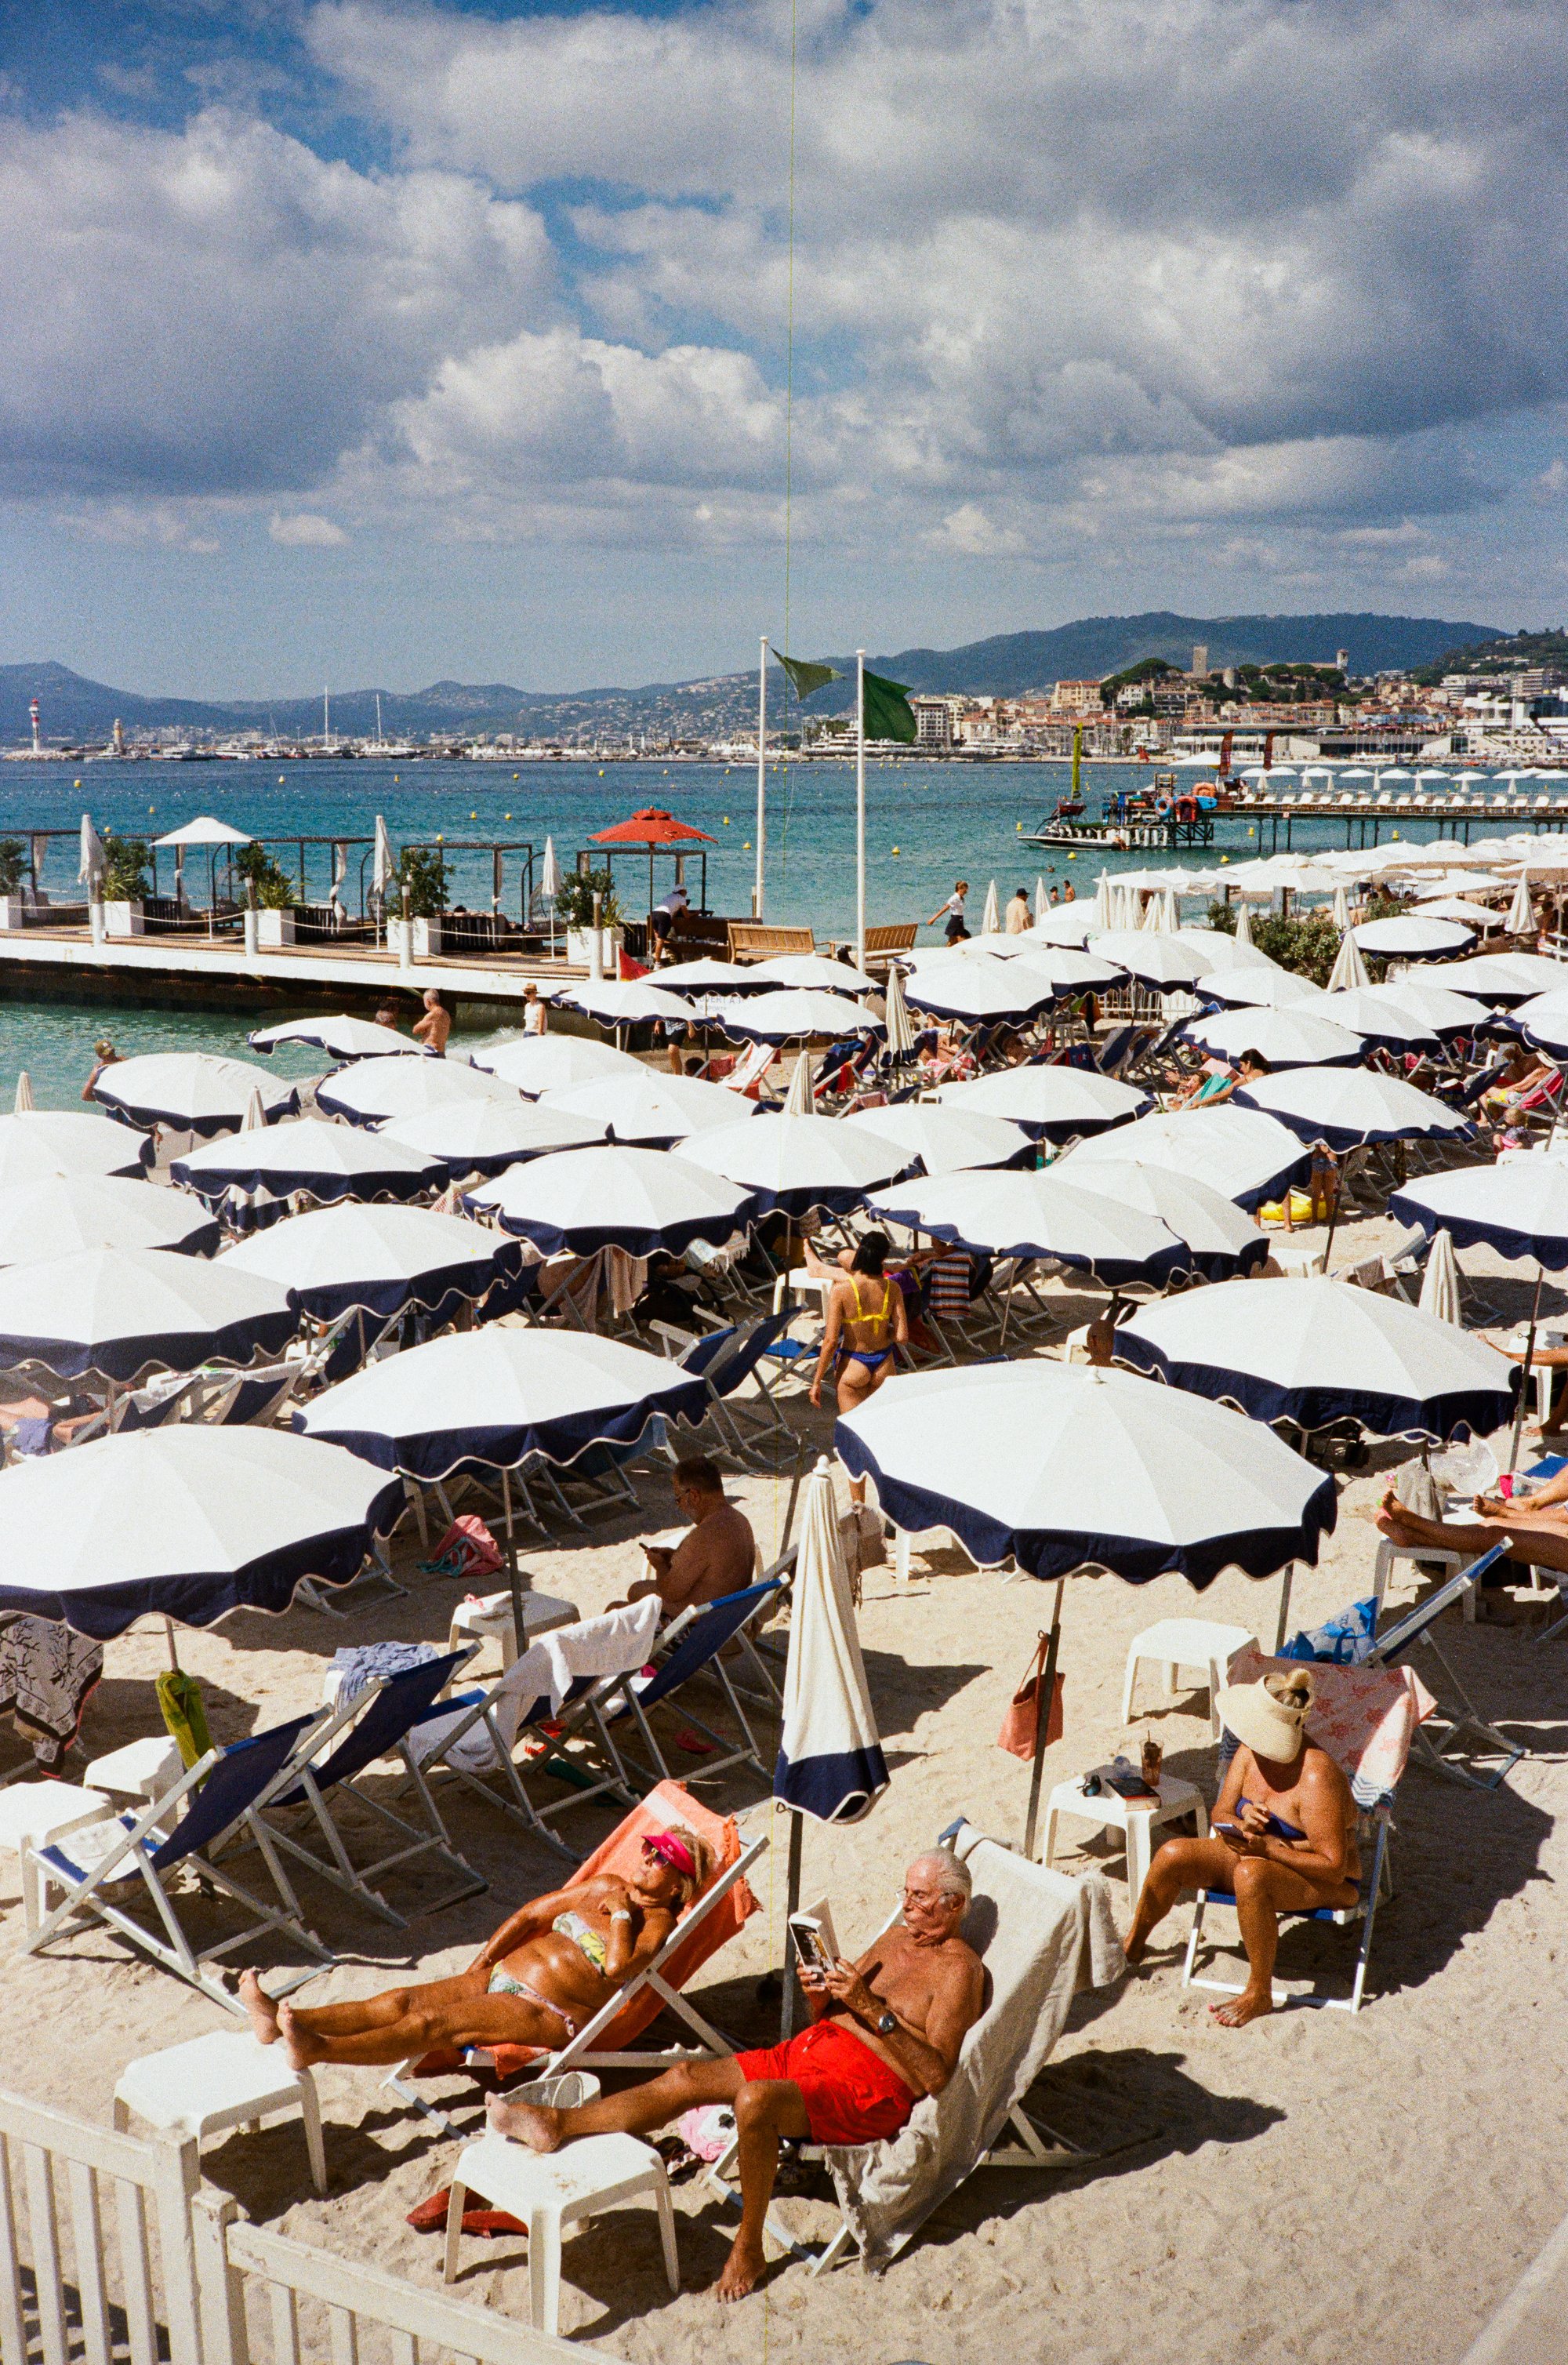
(378,1722)
(724,1360)
(1460,1719)
(689,1647)
(221,1796)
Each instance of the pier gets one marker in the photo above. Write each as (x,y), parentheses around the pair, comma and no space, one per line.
(1365,819)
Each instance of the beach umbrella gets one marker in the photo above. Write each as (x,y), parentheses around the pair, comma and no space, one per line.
(1049,1103)
(1349,971)
(1521,911)
(1167,963)
(485,1400)
(550,886)
(1242,1154)
(1519,1209)
(532,1064)
(1009,1213)
(1441,1282)
(184,1520)
(1286,1038)
(1464,912)
(792,1016)
(1066,969)
(205,831)
(800,1165)
(43,1143)
(381,865)
(644,1201)
(896,1017)
(978,991)
(22,1103)
(482,1136)
(648,1107)
(1380,1015)
(1068,924)
(1217,1241)
(191,1092)
(1419,997)
(1317,1350)
(945,1140)
(1413,936)
(56,1218)
(1103,914)
(329,1161)
(830,1763)
(991,919)
(1501,978)
(1042,901)
(1349,1106)
(94,858)
(1262,989)
(624,1002)
(377,1260)
(342,1037)
(809,974)
(1244,928)
(376,1091)
(694,979)
(114,1313)
(1544,1020)
(1221,953)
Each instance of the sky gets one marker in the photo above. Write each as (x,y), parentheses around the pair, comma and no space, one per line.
(383,340)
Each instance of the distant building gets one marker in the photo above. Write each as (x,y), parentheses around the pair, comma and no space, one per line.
(1076,698)
(933,723)
(1342,660)
(1199,659)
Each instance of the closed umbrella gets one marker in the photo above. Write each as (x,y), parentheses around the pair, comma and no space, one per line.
(809,974)
(1349,1106)
(190,1091)
(1521,911)
(381,863)
(1317,1351)
(187,1521)
(550,886)
(1242,1154)
(93,857)
(1244,928)
(1009,1213)
(373,1091)
(1340,915)
(56,1218)
(114,1313)
(830,1763)
(1217,1241)
(1441,1282)
(42,1143)
(378,1261)
(1412,936)
(649,1108)
(896,1017)
(945,1140)
(991,919)
(1349,971)
(328,1162)
(800,1164)
(340,1037)
(532,1064)
(795,1017)
(1285,1038)
(1042,901)
(644,1201)
(22,1100)
(255,1114)
(482,1136)
(1051,1104)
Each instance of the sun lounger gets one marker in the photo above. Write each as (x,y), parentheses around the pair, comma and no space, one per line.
(689,1647)
(221,1796)
(1454,1710)
(1042,1937)
(725,1360)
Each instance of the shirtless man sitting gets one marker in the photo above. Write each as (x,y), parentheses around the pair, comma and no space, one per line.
(719,1555)
(885,2030)
(1283,1837)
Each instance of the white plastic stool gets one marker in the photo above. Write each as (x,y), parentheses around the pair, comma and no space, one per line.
(1178,1642)
(143,1769)
(548,2192)
(1434,1555)
(1137,1820)
(224,2080)
(477,1621)
(35,1814)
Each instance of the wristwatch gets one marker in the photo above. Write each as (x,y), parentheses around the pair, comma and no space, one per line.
(887,2022)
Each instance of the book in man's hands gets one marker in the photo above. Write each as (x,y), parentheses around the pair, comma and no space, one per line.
(816,1941)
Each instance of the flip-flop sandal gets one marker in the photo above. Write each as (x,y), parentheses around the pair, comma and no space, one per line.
(429,2217)
(693,1743)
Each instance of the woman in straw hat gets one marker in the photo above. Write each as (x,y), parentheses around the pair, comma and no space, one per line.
(1284,1838)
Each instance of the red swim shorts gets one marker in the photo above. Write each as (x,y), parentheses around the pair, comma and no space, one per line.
(851,2094)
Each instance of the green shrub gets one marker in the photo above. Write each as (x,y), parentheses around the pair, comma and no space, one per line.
(124,870)
(574,905)
(14,866)
(1308,946)
(275,890)
(422,870)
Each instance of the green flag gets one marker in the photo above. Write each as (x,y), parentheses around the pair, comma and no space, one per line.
(889,714)
(806,674)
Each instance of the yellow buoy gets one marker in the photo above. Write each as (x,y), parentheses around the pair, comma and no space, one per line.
(1225,858)
(1019,827)
(75,784)
(745,845)
(473,816)
(895,849)
(439,838)
(506,816)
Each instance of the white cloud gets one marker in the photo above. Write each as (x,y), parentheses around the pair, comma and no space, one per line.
(970,532)
(306,530)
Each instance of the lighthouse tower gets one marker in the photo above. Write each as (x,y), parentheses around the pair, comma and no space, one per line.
(38,740)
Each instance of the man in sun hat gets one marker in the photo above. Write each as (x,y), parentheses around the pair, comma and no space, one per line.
(1284,1838)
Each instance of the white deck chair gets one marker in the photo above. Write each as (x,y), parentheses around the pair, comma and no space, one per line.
(1041,1937)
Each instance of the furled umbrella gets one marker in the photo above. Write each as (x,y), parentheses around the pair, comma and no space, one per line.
(643,1201)
(23,1104)
(373,1091)
(1349,971)
(990,918)
(550,886)
(328,1161)
(58,1217)
(1521,911)
(1347,1107)
(1052,1104)
(377,1260)
(800,1165)
(191,1092)
(1440,1295)
(896,1017)
(43,1143)
(93,857)
(112,1314)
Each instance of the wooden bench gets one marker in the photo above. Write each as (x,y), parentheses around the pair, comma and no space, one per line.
(881,944)
(756,940)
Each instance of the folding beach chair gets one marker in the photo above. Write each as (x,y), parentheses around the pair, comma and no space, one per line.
(1366,1717)
(1042,1937)
(724,1360)
(378,1722)
(689,1647)
(1455,1710)
(221,1796)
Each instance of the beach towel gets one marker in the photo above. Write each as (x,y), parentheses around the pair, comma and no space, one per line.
(183,1713)
(45,1674)
(468,1549)
(356,1667)
(1364,1717)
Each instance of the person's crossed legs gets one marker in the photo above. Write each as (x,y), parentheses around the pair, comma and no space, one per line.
(1262,1891)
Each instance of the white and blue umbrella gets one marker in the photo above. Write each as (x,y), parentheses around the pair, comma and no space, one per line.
(830,1763)
(186,1521)
(1158,958)
(1117,1474)
(1519,1209)
(1285,1038)
(644,1201)
(696,979)
(978,991)
(1074,923)
(376,1091)
(808,973)
(1316,1352)
(1446,1014)
(489,1400)
(1412,936)
(377,1260)
(624,1002)
(532,1064)
(1379,1014)
(1069,970)
(1009,1213)
(1049,1103)
(56,1218)
(484,1137)
(191,1092)
(340,1037)
(328,1162)
(799,1164)
(114,1313)
(647,1107)
(1261,989)
(1218,1241)
(795,1015)
(1348,1107)
(1543,1020)
(945,1140)
(1242,1154)
(43,1143)
(1500,979)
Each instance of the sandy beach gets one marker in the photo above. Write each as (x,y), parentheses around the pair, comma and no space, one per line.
(1312,2188)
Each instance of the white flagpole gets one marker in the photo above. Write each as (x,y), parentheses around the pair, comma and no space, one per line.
(761,779)
(860,811)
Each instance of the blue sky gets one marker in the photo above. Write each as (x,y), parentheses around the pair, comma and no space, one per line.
(383,340)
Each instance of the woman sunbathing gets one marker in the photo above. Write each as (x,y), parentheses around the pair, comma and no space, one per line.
(537,1981)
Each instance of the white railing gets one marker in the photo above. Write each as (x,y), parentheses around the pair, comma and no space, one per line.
(70,2290)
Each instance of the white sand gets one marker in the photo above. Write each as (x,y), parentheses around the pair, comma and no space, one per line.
(1315,2187)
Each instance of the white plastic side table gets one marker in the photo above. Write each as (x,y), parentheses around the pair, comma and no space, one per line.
(551,2191)
(1137,1822)
(490,1618)
(224,2080)
(34,1815)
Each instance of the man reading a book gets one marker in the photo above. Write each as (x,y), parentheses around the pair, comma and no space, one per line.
(885,2030)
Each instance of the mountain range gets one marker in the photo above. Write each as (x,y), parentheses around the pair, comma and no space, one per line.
(75,708)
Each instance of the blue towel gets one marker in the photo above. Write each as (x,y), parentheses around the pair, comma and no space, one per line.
(1344,1641)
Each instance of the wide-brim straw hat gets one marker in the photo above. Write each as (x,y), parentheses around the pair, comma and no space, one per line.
(1269,1717)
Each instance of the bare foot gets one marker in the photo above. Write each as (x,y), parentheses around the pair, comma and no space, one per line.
(1134,1946)
(301,2051)
(743,2270)
(1245,2008)
(261,2007)
(526,2122)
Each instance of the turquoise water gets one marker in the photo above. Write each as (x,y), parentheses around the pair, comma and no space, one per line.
(927,824)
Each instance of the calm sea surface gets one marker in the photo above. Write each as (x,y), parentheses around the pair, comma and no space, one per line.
(927,824)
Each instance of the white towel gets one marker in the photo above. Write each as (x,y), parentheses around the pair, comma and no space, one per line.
(614,1644)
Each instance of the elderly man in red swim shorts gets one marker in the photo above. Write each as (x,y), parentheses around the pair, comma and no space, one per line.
(885,2030)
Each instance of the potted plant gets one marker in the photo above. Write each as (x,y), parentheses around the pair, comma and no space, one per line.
(276,897)
(422,869)
(574,909)
(13,870)
(125,885)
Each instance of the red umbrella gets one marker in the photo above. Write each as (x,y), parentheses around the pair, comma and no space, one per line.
(653,827)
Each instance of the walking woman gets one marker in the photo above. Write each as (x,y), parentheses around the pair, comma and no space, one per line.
(867,1323)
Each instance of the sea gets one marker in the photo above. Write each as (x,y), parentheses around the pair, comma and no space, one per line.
(927,825)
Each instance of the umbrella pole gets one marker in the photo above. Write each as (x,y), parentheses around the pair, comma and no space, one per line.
(792,1905)
(169,1638)
(1284,1606)
(1525,1374)
(514,1581)
(1042,1699)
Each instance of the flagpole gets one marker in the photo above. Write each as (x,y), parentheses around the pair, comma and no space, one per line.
(860,811)
(761,779)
